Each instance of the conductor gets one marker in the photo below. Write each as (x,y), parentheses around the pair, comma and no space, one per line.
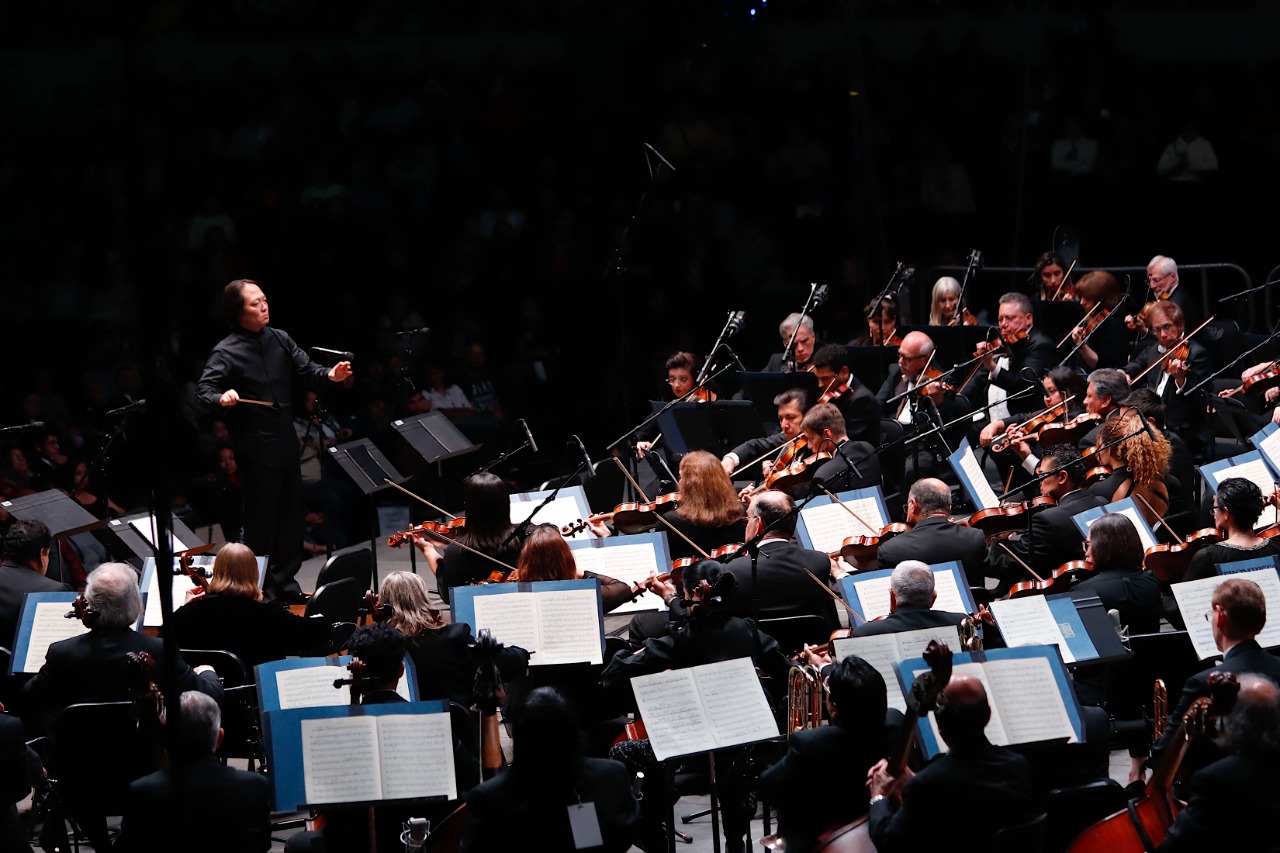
(251,373)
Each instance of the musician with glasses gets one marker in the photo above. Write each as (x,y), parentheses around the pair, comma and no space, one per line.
(1179,371)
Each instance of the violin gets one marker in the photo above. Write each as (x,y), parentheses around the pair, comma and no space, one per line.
(1029,428)
(1169,562)
(1133,320)
(1071,431)
(197,575)
(446,530)
(1059,580)
(1002,520)
(862,550)
(797,474)
(1180,353)
(678,566)
(832,394)
(963,317)
(1259,383)
(701,394)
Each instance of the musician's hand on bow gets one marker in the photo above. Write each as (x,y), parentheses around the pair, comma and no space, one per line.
(643,447)
(989,432)
(729,464)
(837,570)
(985,349)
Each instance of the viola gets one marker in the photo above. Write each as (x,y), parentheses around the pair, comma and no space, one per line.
(862,550)
(1071,431)
(446,530)
(1029,428)
(1059,580)
(1005,519)
(1169,562)
(832,394)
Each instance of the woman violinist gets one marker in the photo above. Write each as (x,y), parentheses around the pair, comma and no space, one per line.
(1063,396)
(1108,341)
(1237,507)
(710,511)
(1139,464)
(682,368)
(882,325)
(946,305)
(1052,273)
(488,529)
(546,556)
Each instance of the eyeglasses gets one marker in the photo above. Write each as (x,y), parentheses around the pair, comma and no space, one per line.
(902,356)
(1156,279)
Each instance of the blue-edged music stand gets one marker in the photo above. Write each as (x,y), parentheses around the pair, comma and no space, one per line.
(1127,507)
(654,543)
(464,610)
(849,589)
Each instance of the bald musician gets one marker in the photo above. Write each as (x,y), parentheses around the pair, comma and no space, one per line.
(932,537)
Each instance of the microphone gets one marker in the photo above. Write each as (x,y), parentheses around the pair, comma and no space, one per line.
(849,462)
(737,361)
(423,331)
(1114,615)
(342,356)
(1028,373)
(658,154)
(1146,425)
(637,785)
(820,296)
(528,436)
(22,427)
(135,406)
(735,323)
(582,448)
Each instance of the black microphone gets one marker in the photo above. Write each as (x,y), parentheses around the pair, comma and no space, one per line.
(582,448)
(528,436)
(820,296)
(1146,424)
(135,406)
(342,356)
(733,355)
(658,154)
(735,323)
(847,461)
(1028,373)
(423,331)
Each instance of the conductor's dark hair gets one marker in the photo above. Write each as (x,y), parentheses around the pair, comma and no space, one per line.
(233,300)
(834,356)
(380,648)
(1242,498)
(25,540)
(547,740)
(858,690)
(1064,457)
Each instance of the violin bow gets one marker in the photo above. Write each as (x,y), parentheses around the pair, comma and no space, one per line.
(630,479)
(767,453)
(1066,277)
(838,599)
(1170,351)
(1159,518)
(658,515)
(440,536)
(849,510)
(416,497)
(1083,320)
(1018,560)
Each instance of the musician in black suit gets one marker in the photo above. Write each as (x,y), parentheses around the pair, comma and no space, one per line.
(784,587)
(1184,414)
(26,559)
(1234,803)
(1053,537)
(932,538)
(1163,283)
(911,597)
(861,413)
(975,784)
(792,404)
(826,758)
(158,813)
(1027,354)
(923,410)
(1238,613)
(853,464)
(803,348)
(91,667)
(19,767)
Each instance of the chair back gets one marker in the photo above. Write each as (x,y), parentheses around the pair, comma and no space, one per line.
(356,565)
(242,735)
(94,782)
(893,460)
(1073,809)
(339,601)
(792,632)
(1027,837)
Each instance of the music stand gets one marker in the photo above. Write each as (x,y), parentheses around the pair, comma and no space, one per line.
(63,515)
(956,344)
(1058,318)
(871,364)
(717,427)
(140,545)
(434,436)
(369,469)
(762,388)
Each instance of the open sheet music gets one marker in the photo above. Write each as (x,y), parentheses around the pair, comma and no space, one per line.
(361,754)
(42,623)
(1029,622)
(1031,698)
(1195,599)
(628,558)
(825,524)
(1127,507)
(568,506)
(703,708)
(1251,466)
(151,617)
(971,476)
(309,683)
(886,651)
(145,527)
(868,592)
(557,622)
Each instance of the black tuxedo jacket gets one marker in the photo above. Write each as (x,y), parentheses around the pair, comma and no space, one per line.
(158,814)
(785,588)
(1182,414)
(1053,539)
(1232,804)
(1038,354)
(936,540)
(838,477)
(254,631)
(861,412)
(908,619)
(15,582)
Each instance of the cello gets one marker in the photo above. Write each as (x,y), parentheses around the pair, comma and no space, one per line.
(1144,824)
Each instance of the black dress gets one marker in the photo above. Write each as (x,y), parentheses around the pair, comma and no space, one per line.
(253,631)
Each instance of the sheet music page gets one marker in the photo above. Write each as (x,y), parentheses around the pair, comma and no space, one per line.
(152,618)
(873,596)
(569,627)
(417,756)
(629,563)
(144,526)
(312,687)
(735,702)
(1031,706)
(402,686)
(1029,622)
(881,651)
(49,626)
(829,525)
(1195,599)
(560,512)
(1269,447)
(949,598)
(340,759)
(672,712)
(512,619)
(911,644)
(986,496)
(1256,471)
(995,727)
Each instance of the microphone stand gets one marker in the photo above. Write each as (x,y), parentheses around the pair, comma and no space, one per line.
(908,440)
(730,326)
(519,532)
(1186,392)
(1250,290)
(502,457)
(1098,326)
(626,435)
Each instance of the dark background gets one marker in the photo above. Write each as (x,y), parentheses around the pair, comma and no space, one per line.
(481,160)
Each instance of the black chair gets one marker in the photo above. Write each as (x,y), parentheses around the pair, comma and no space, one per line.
(242,736)
(1074,809)
(792,632)
(1027,837)
(893,459)
(339,601)
(356,565)
(93,784)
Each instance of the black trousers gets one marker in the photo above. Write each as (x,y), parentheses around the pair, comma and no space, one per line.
(273,523)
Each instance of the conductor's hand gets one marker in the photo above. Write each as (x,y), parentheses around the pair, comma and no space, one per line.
(229,397)
(339,372)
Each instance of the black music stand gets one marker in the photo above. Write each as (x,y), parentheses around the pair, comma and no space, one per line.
(63,515)
(370,470)
(717,427)
(434,436)
(137,543)
(1055,319)
(871,364)
(956,344)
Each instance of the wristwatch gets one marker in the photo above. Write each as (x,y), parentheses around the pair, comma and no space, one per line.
(877,798)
